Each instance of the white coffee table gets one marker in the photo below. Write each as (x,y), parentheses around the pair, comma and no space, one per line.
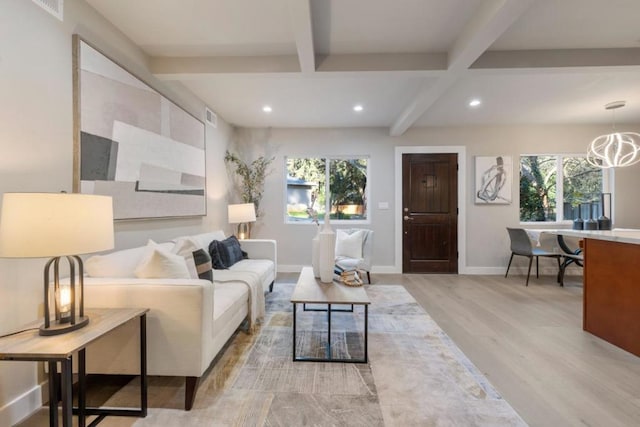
(309,290)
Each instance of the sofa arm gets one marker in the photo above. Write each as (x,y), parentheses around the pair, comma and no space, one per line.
(179,325)
(261,249)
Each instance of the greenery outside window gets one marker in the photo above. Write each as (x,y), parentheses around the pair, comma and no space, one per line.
(556,188)
(315,186)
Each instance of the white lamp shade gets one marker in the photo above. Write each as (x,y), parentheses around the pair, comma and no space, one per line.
(243,212)
(35,225)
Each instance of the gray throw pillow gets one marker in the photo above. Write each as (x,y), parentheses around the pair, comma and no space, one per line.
(203,264)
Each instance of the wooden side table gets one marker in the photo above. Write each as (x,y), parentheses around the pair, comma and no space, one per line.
(29,346)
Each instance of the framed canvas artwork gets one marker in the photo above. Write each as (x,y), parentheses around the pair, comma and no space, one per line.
(134,144)
(493,179)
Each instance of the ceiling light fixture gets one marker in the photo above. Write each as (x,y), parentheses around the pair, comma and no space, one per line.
(357,108)
(267,109)
(475,102)
(617,149)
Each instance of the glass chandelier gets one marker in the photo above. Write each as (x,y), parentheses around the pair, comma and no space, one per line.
(617,149)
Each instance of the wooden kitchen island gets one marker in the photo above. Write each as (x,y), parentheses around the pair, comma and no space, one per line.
(611,302)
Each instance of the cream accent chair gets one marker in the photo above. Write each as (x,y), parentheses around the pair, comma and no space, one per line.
(349,257)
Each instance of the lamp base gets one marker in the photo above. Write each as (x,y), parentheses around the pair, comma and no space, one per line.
(244,230)
(63,328)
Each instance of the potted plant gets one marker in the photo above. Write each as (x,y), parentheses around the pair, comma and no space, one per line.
(251,177)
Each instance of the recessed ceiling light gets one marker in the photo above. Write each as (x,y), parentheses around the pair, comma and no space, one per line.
(267,109)
(475,102)
(357,108)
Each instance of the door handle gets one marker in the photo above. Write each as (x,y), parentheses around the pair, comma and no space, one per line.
(408,218)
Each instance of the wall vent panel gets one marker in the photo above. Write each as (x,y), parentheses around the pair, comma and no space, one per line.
(54,7)
(211,117)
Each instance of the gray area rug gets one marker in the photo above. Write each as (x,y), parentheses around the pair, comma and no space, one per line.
(416,376)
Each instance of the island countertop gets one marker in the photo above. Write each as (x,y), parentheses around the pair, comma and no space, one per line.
(622,235)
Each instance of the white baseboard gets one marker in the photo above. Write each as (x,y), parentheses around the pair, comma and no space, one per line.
(384,269)
(487,271)
(289,268)
(21,407)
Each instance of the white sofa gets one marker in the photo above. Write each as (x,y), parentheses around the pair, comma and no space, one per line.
(189,320)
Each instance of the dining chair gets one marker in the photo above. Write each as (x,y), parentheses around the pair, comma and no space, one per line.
(572,255)
(521,245)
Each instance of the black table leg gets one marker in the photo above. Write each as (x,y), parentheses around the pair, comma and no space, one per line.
(295,311)
(53,393)
(82,387)
(67,395)
(329,331)
(328,350)
(143,365)
(83,411)
(366,333)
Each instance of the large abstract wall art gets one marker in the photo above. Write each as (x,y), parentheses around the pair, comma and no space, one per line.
(493,179)
(134,144)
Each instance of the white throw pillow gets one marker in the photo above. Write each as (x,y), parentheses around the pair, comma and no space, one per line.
(116,264)
(185,246)
(161,264)
(203,240)
(349,245)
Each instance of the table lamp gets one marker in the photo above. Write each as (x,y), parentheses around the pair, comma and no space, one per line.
(242,214)
(57,225)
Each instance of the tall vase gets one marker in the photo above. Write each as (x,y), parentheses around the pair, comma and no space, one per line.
(315,254)
(327,251)
(604,222)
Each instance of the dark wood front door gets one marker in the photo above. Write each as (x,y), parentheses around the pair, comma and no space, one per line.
(430,213)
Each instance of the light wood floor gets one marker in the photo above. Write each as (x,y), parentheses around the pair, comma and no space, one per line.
(529,343)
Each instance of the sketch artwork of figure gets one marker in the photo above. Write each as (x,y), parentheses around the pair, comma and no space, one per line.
(492,181)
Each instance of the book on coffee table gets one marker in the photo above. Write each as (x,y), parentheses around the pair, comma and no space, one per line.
(348,277)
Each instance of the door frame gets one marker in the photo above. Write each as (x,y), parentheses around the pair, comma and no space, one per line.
(460,150)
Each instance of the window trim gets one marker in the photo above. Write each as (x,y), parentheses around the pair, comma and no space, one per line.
(327,172)
(607,185)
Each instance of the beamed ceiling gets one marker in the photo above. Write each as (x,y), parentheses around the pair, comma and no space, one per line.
(409,63)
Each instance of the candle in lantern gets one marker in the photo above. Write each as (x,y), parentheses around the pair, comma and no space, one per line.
(64,303)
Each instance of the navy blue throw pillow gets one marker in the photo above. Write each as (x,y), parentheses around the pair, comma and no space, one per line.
(215,250)
(225,253)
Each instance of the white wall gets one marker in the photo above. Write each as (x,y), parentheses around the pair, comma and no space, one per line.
(36,144)
(487,244)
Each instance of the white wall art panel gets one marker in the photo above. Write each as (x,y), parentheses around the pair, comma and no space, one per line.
(134,144)
(493,179)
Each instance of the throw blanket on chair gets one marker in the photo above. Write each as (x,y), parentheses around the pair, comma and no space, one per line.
(256,294)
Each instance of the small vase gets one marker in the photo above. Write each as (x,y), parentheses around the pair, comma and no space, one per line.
(315,254)
(578,224)
(327,256)
(591,223)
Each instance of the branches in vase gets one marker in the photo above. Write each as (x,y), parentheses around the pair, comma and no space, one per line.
(251,177)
